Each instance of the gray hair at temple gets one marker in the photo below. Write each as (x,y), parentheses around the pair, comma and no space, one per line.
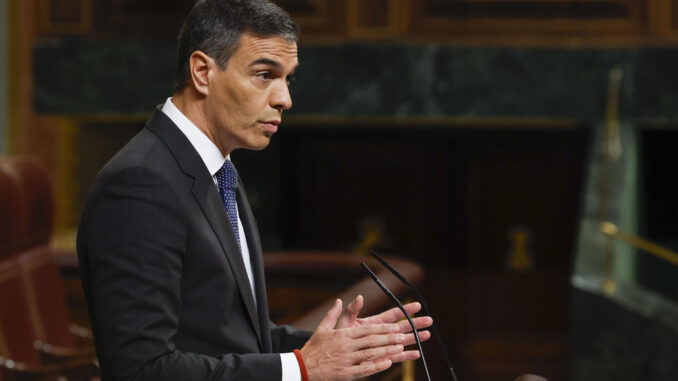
(214,27)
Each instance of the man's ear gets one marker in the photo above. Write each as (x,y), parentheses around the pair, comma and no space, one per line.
(201,65)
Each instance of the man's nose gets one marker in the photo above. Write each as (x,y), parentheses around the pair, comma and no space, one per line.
(280,97)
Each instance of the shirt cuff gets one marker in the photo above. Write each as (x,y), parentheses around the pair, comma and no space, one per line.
(290,367)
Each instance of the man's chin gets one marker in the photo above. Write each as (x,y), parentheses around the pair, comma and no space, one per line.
(260,143)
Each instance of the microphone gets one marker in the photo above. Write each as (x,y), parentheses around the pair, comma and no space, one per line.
(402,308)
(424,307)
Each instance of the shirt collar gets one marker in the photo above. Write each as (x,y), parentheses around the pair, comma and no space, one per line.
(208,151)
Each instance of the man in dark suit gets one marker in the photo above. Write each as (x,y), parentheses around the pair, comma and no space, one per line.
(168,247)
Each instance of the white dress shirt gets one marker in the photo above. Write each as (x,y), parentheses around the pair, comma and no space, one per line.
(214,159)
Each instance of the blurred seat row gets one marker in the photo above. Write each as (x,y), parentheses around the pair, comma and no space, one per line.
(37,339)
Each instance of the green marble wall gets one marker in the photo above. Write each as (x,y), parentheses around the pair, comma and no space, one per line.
(379,80)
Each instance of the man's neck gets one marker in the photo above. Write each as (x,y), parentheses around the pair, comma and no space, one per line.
(191,107)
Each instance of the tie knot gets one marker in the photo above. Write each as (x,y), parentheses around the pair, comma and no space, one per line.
(227,176)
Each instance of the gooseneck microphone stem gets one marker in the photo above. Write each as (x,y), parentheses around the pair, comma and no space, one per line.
(400,305)
(425,309)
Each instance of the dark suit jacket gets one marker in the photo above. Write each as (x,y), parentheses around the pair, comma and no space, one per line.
(165,283)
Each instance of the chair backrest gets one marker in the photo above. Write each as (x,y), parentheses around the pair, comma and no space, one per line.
(43,288)
(11,216)
(44,292)
(36,200)
(16,331)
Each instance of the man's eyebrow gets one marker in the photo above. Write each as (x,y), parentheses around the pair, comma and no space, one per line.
(266,61)
(270,62)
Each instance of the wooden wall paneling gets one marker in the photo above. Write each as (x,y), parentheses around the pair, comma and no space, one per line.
(149,16)
(317,18)
(659,18)
(516,324)
(63,17)
(324,18)
(97,140)
(437,20)
(23,28)
(377,18)
(571,18)
(344,186)
(46,137)
(672,12)
(515,186)
(65,180)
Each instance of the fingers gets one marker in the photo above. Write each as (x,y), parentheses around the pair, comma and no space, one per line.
(419,322)
(378,340)
(373,329)
(402,326)
(394,314)
(361,350)
(405,356)
(368,368)
(354,308)
(346,354)
(372,354)
(412,308)
(410,340)
(383,338)
(374,341)
(349,318)
(330,319)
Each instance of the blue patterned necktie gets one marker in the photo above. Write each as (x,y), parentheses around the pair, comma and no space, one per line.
(227,179)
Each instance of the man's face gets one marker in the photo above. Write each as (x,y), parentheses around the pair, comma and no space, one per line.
(245,101)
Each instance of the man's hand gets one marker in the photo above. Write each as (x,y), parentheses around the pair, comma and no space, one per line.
(349,318)
(353,347)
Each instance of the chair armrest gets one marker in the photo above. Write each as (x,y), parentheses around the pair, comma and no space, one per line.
(83,336)
(56,354)
(67,261)
(81,332)
(79,369)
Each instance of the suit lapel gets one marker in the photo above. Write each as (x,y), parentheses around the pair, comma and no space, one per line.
(254,244)
(207,196)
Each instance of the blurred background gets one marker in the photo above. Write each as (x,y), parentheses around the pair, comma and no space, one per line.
(522,153)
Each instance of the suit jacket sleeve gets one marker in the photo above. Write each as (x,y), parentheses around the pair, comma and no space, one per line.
(131,245)
(286,338)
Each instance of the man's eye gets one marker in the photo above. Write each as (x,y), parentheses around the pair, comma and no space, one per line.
(265,75)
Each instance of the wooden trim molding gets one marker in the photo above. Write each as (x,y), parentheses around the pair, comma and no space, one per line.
(397,17)
(48,25)
(14,47)
(66,179)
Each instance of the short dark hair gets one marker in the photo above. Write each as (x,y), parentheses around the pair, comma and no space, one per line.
(215,27)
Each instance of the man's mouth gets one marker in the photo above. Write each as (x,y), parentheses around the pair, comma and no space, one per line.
(271,125)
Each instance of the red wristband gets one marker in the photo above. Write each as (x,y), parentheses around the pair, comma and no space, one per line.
(302,366)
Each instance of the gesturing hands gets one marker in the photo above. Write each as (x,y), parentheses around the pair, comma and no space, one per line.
(344,347)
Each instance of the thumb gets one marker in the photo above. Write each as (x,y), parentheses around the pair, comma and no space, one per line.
(355,307)
(330,319)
